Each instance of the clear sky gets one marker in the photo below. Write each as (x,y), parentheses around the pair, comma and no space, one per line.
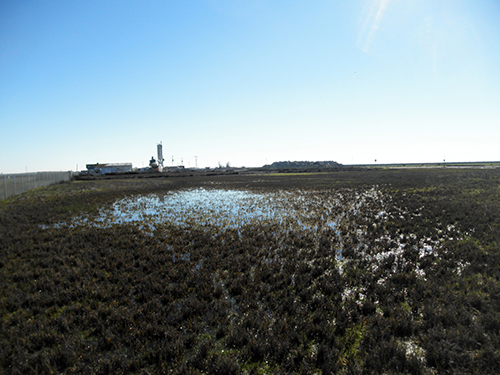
(248,82)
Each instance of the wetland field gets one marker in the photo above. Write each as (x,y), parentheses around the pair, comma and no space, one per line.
(348,272)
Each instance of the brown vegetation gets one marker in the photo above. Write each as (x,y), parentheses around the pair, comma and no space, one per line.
(407,282)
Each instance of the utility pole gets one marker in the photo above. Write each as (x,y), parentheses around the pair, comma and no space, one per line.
(196,162)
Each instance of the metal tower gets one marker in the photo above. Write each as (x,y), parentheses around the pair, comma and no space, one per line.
(160,156)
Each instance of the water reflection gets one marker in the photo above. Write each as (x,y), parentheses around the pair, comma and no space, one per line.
(318,218)
(200,207)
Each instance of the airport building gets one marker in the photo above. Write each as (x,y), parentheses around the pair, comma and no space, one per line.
(100,168)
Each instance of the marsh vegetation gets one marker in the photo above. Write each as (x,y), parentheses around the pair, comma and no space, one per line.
(345,272)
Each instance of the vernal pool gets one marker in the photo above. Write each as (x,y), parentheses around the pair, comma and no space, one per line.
(224,209)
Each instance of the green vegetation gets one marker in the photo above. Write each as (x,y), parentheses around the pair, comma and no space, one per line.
(408,281)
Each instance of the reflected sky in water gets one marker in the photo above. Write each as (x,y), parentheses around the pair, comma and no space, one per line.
(226,208)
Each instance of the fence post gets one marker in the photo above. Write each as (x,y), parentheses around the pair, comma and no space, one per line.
(5,186)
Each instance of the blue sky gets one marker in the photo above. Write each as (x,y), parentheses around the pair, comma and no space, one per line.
(248,82)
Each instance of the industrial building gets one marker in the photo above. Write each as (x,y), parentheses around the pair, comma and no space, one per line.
(155,165)
(100,168)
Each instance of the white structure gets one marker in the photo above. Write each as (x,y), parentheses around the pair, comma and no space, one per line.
(160,156)
(100,168)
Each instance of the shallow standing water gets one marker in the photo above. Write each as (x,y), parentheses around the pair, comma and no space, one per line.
(217,208)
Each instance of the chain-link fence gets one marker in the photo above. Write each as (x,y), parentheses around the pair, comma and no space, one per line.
(13,184)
